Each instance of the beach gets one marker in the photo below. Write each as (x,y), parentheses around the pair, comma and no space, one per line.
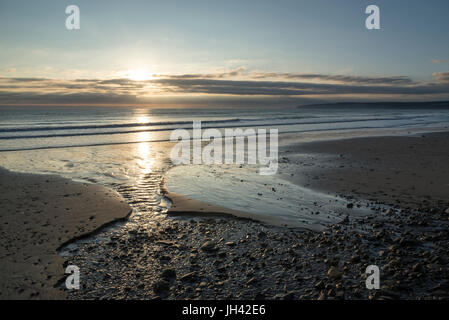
(224,151)
(402,171)
(39,214)
(198,250)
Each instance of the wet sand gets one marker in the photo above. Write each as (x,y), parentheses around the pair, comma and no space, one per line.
(182,206)
(39,213)
(408,171)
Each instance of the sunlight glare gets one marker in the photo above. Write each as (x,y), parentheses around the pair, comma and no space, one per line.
(139,75)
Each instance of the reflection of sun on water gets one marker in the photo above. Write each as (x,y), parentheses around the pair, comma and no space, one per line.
(143,119)
(145,161)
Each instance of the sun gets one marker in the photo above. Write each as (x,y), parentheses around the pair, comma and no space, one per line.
(139,75)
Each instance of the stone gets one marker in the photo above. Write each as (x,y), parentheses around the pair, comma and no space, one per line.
(209,246)
(161,286)
(319,285)
(334,273)
(169,274)
(188,276)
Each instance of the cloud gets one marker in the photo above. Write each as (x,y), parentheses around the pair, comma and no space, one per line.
(231,86)
(70,98)
(336,78)
(280,88)
(228,74)
(241,72)
(25,79)
(440,60)
(441,77)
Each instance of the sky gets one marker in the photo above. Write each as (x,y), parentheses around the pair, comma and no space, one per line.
(190,52)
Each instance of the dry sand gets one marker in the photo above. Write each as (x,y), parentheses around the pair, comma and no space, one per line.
(38,214)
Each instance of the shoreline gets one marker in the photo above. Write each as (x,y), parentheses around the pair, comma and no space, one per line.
(196,256)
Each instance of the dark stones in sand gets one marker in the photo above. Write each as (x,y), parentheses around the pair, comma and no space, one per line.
(355,259)
(262,235)
(209,246)
(285,296)
(221,269)
(340,294)
(166,242)
(408,242)
(259,296)
(161,286)
(319,285)
(188,276)
(334,273)
(350,205)
(169,274)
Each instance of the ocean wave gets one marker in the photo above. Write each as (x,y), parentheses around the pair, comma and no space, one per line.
(109,143)
(240,125)
(110,126)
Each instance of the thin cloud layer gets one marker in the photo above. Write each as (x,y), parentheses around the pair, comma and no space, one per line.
(231,84)
(441,77)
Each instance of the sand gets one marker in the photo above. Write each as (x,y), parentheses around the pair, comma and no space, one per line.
(408,171)
(39,213)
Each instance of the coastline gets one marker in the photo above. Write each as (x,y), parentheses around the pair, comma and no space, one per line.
(39,214)
(214,257)
(190,254)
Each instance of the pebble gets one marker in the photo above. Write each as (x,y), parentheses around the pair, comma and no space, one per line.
(334,273)
(209,246)
(168,274)
(161,286)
